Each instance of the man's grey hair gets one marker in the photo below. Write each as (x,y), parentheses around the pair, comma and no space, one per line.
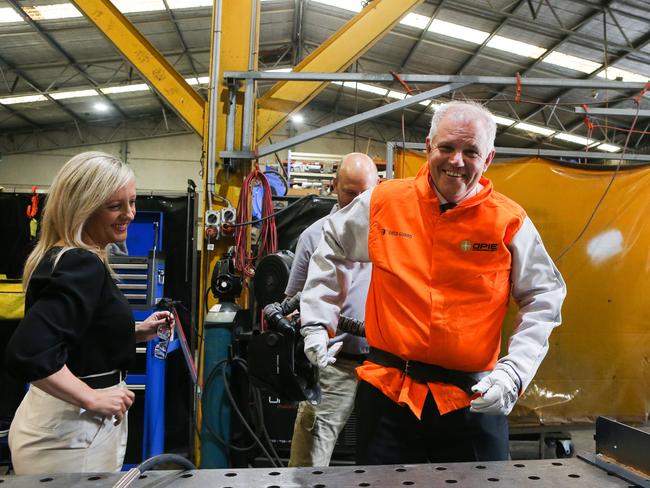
(464,110)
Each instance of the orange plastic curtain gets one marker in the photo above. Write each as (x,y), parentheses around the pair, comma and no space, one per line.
(599,358)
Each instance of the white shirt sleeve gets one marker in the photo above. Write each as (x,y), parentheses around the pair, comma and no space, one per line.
(331,269)
(300,264)
(539,290)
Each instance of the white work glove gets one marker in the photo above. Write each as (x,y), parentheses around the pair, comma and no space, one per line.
(499,394)
(316,340)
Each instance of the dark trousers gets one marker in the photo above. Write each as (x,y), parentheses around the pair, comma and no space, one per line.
(392,434)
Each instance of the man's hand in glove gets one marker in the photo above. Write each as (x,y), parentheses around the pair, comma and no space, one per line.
(316,340)
(498,393)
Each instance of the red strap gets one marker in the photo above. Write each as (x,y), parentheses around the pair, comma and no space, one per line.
(402,82)
(637,99)
(518,95)
(588,123)
(32,209)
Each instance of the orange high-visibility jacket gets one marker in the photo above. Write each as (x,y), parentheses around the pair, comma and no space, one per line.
(440,285)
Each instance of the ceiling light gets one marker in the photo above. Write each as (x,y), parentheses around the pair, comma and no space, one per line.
(129,6)
(189,3)
(458,31)
(278,70)
(125,88)
(415,20)
(101,107)
(571,62)
(8,14)
(352,5)
(516,47)
(23,99)
(396,94)
(534,128)
(297,119)
(62,95)
(564,136)
(503,120)
(616,73)
(48,12)
(609,148)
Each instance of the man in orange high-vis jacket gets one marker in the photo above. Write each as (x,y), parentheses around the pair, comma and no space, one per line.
(447,253)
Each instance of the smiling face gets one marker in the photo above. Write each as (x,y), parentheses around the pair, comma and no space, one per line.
(458,155)
(109,223)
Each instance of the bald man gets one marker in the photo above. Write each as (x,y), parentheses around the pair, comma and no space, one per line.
(318,426)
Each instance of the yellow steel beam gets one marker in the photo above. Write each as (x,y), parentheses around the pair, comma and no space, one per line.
(335,54)
(235,53)
(153,67)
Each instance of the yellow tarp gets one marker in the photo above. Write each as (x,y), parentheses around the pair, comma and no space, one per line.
(599,358)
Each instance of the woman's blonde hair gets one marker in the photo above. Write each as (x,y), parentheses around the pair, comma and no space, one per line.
(79,189)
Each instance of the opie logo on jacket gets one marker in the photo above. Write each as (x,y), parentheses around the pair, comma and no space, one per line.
(396,233)
(478,246)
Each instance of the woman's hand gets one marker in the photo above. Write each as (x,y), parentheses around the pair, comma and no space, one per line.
(148,329)
(111,402)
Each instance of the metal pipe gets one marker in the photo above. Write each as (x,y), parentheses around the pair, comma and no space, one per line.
(519,151)
(356,119)
(423,78)
(215,61)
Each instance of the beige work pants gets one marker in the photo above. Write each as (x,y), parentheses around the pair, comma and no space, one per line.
(317,427)
(48,435)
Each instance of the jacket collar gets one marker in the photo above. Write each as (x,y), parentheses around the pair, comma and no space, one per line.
(427,194)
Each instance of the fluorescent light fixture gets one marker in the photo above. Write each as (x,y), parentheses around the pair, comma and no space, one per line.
(125,89)
(297,118)
(353,85)
(377,90)
(396,94)
(192,81)
(571,62)
(7,14)
(427,102)
(564,136)
(351,5)
(22,99)
(609,148)
(614,73)
(204,80)
(534,128)
(63,95)
(48,12)
(101,107)
(278,70)
(129,6)
(503,120)
(516,47)
(457,31)
(189,3)
(415,20)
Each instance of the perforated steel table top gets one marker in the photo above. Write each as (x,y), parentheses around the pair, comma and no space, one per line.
(554,473)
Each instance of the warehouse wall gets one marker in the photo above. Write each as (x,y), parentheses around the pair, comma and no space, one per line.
(160,164)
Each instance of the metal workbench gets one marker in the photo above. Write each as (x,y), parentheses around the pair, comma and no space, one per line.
(573,472)
(622,459)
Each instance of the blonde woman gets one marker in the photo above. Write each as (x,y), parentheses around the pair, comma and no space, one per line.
(78,335)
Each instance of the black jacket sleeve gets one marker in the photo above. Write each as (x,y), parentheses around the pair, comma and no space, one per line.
(60,314)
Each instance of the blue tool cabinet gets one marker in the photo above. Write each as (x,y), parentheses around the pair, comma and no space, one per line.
(141,277)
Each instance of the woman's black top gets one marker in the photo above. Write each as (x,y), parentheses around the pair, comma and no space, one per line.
(74,316)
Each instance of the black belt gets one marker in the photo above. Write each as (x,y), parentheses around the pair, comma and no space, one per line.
(105,380)
(424,372)
(359,358)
